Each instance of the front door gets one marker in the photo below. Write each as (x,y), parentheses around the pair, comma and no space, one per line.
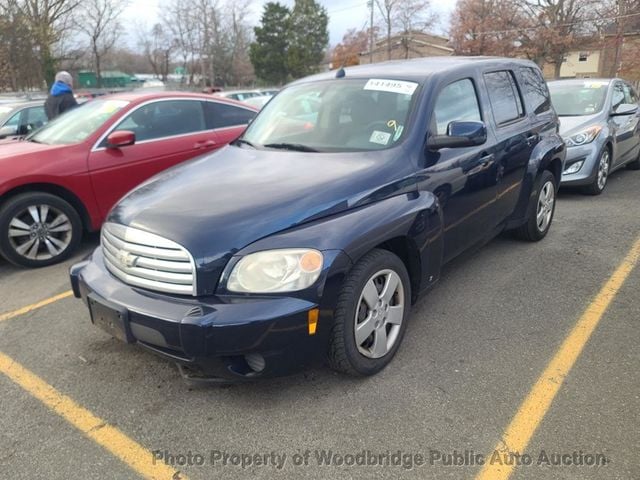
(463,179)
(167,132)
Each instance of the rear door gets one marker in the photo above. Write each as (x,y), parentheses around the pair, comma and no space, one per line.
(461,178)
(516,136)
(167,132)
(228,121)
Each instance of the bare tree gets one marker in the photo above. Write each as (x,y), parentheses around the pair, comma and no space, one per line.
(405,16)
(158,45)
(555,27)
(486,27)
(100,22)
(48,21)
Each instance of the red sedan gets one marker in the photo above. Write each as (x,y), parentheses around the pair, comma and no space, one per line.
(65,177)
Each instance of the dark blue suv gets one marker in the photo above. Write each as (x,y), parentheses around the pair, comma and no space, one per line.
(310,236)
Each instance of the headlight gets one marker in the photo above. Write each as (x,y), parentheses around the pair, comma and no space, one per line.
(587,135)
(286,270)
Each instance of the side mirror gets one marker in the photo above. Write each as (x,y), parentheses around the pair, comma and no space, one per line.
(460,134)
(121,138)
(625,109)
(8,131)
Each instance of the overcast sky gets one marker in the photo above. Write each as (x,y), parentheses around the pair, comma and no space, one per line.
(343,14)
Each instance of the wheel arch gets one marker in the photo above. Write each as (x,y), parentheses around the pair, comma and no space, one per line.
(56,190)
(405,248)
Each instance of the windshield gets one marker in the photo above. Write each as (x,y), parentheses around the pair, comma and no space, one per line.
(576,99)
(78,124)
(333,116)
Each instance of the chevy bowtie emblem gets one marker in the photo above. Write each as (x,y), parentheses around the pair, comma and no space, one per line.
(127,259)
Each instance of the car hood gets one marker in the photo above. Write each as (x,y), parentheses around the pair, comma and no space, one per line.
(12,148)
(218,204)
(573,124)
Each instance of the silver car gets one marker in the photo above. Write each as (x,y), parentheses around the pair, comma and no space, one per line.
(19,118)
(600,124)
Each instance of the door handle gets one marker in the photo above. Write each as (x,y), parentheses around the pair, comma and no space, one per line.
(204,144)
(486,159)
(531,139)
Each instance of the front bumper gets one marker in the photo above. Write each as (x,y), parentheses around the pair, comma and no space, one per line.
(588,154)
(217,337)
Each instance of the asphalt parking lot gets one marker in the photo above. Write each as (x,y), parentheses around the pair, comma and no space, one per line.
(78,404)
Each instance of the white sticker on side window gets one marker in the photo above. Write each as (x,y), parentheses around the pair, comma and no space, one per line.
(381,138)
(393,86)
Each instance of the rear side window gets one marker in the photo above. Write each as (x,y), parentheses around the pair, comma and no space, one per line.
(535,90)
(457,102)
(504,97)
(221,115)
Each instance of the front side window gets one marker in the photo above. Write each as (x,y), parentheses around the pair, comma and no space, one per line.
(36,118)
(572,98)
(336,116)
(535,90)
(618,96)
(456,102)
(221,115)
(164,119)
(78,124)
(504,97)
(629,94)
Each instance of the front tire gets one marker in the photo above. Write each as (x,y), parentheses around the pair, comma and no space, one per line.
(603,166)
(371,315)
(38,229)
(542,206)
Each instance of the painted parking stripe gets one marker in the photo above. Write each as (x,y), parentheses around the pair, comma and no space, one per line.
(105,435)
(35,306)
(534,407)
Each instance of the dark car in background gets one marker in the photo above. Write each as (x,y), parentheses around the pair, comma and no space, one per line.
(600,122)
(20,118)
(310,236)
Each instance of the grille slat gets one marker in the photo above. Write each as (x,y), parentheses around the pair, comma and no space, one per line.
(146,260)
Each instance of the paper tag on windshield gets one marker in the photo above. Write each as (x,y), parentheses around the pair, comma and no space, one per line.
(393,86)
(381,138)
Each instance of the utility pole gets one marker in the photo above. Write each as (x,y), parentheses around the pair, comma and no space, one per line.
(370,5)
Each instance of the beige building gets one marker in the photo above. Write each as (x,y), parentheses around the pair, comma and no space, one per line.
(408,45)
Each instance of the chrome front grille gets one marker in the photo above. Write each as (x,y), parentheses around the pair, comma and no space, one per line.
(145,260)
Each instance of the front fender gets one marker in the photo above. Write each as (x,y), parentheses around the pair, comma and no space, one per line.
(414,216)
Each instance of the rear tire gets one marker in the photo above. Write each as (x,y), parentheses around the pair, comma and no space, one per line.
(371,315)
(541,209)
(38,229)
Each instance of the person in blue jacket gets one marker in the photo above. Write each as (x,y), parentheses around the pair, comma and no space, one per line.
(60,97)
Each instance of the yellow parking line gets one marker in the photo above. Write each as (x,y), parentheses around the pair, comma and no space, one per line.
(533,409)
(35,306)
(105,435)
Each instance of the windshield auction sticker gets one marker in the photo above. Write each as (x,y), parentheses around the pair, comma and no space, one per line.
(393,86)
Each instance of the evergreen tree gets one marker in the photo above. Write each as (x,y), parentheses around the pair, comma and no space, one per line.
(268,53)
(308,37)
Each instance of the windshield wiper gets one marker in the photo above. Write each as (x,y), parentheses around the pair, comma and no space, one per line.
(241,141)
(291,146)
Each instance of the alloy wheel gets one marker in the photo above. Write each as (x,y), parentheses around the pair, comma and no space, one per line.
(603,169)
(379,314)
(546,202)
(40,232)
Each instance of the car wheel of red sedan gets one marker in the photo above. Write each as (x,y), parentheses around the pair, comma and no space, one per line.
(38,229)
